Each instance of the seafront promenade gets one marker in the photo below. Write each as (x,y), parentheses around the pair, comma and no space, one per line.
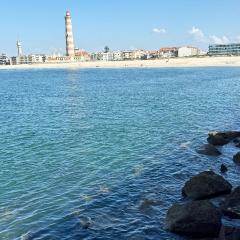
(230,61)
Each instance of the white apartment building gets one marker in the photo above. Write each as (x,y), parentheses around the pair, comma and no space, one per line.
(109,56)
(188,51)
(4,59)
(30,59)
(118,56)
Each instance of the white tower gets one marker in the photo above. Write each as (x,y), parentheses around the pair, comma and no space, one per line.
(69,35)
(19,48)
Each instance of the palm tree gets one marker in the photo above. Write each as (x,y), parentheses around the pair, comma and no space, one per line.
(106,49)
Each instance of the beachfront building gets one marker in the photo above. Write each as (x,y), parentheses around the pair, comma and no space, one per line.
(188,51)
(107,56)
(139,54)
(117,56)
(168,52)
(81,55)
(28,59)
(151,55)
(224,49)
(128,55)
(4,60)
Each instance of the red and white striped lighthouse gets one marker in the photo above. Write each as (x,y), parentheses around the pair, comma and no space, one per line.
(69,35)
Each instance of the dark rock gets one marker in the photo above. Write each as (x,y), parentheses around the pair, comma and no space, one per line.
(223,168)
(86,222)
(206,185)
(237,145)
(236,140)
(236,158)
(209,150)
(231,205)
(229,233)
(195,219)
(222,138)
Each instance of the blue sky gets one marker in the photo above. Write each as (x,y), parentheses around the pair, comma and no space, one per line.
(123,24)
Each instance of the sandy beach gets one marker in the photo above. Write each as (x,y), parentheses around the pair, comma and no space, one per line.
(161,63)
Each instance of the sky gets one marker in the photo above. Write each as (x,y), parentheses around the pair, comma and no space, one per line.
(119,24)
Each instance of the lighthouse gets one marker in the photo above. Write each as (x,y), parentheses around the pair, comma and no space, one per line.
(19,48)
(69,35)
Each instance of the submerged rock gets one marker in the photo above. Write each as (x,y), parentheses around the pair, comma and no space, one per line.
(222,138)
(236,158)
(231,205)
(223,168)
(195,219)
(206,185)
(209,150)
(146,204)
(86,222)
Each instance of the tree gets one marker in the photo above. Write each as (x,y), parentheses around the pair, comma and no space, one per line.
(106,49)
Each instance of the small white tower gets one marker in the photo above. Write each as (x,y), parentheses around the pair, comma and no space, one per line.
(19,48)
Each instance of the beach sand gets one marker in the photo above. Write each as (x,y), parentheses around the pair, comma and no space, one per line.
(161,63)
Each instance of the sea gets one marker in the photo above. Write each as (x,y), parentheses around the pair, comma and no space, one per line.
(101,154)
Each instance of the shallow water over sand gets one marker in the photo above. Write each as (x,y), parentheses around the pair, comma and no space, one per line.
(81,149)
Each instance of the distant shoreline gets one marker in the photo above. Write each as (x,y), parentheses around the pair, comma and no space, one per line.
(231,61)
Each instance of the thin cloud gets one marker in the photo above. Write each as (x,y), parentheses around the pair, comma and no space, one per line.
(159,30)
(219,40)
(198,34)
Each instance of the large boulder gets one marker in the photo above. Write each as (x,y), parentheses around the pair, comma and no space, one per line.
(222,138)
(206,185)
(209,150)
(236,158)
(231,205)
(195,219)
(229,233)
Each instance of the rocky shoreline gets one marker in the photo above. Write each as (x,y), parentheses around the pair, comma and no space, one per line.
(199,217)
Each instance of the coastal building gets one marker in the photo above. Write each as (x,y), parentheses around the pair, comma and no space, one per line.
(168,52)
(117,56)
(224,49)
(28,59)
(139,54)
(4,60)
(128,55)
(81,55)
(107,56)
(152,55)
(69,35)
(188,51)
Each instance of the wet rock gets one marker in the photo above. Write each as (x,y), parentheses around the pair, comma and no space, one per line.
(222,138)
(236,158)
(231,205)
(237,145)
(86,222)
(195,219)
(223,168)
(217,140)
(236,140)
(209,150)
(206,185)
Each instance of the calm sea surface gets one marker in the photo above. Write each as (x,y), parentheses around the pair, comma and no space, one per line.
(80,146)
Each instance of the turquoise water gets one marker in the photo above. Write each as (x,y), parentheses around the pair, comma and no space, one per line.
(92,144)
